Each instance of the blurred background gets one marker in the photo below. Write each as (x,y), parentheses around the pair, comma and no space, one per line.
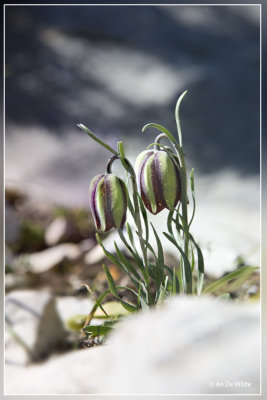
(114,69)
(117,68)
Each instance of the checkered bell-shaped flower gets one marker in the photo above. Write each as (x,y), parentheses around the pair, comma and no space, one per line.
(158,180)
(108,201)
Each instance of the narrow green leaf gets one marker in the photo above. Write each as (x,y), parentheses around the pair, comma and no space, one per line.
(159,245)
(187,267)
(97,330)
(94,137)
(110,256)
(200,263)
(200,257)
(127,288)
(144,215)
(96,305)
(95,298)
(220,284)
(174,290)
(177,282)
(143,304)
(169,222)
(113,258)
(176,220)
(165,148)
(113,289)
(237,283)
(193,258)
(152,250)
(184,227)
(129,307)
(135,255)
(161,129)
(130,234)
(130,205)
(162,292)
(200,280)
(193,196)
(129,267)
(114,310)
(111,282)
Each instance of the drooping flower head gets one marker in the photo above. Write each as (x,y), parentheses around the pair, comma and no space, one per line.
(158,180)
(108,201)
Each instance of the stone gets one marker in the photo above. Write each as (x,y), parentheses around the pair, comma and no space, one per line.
(46,259)
(190,345)
(86,245)
(33,327)
(94,256)
(73,373)
(55,231)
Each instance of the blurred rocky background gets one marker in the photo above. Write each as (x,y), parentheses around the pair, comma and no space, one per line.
(117,68)
(114,69)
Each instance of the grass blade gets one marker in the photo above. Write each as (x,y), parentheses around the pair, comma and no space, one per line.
(97,330)
(169,222)
(130,234)
(220,284)
(144,215)
(129,267)
(173,273)
(135,255)
(113,289)
(187,267)
(159,245)
(130,205)
(192,182)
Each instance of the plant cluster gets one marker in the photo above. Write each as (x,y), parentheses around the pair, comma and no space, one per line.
(158,181)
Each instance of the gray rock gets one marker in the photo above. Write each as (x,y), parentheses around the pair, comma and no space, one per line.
(33,326)
(44,260)
(188,346)
(94,256)
(86,245)
(56,231)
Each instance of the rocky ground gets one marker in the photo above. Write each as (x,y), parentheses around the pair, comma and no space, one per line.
(50,253)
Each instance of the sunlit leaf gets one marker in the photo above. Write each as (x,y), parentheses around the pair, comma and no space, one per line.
(222,283)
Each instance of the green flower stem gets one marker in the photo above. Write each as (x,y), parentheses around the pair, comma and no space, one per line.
(157,140)
(109,164)
(127,165)
(183,174)
(182,170)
